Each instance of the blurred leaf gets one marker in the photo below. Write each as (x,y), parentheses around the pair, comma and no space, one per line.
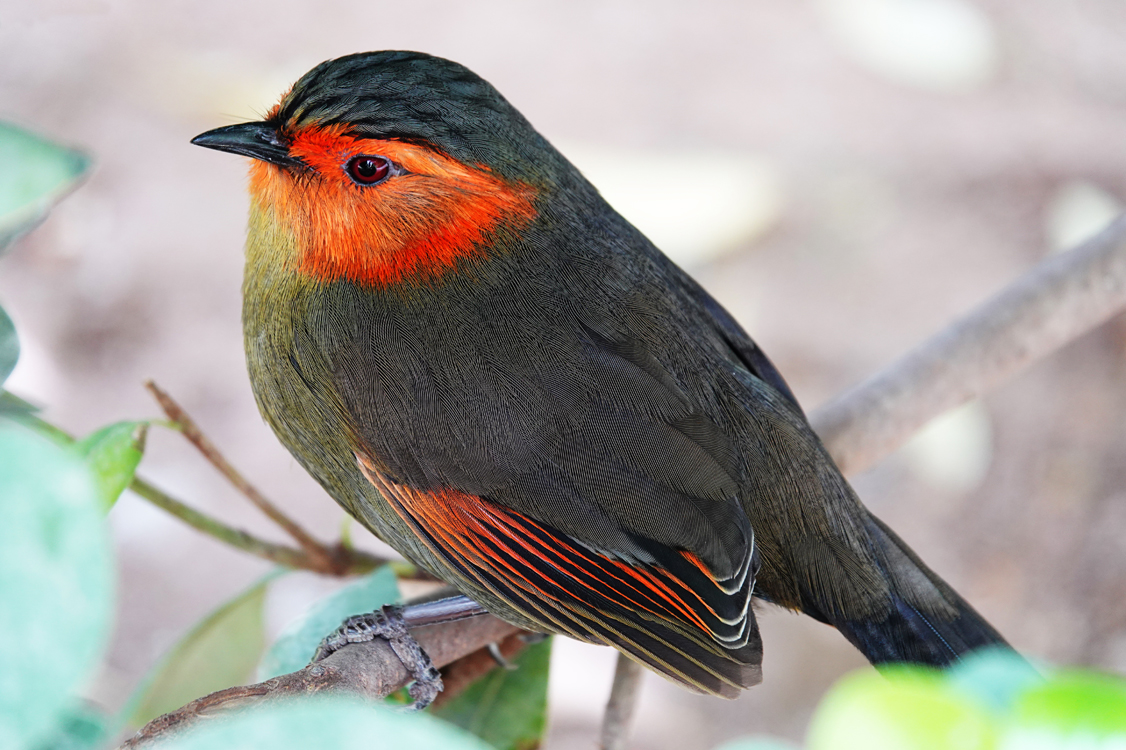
(112,453)
(56,583)
(401,697)
(506,708)
(739,196)
(322,723)
(901,708)
(1075,704)
(940,45)
(80,728)
(298,642)
(13,405)
(9,346)
(1077,211)
(993,677)
(36,174)
(219,652)
(954,451)
(24,414)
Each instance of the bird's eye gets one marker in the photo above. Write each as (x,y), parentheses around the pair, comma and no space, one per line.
(368,170)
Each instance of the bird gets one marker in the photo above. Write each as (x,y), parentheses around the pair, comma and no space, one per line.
(502,378)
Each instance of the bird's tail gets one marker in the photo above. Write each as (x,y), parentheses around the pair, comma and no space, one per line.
(927,622)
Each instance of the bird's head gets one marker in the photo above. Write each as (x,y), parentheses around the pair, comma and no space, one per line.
(385,166)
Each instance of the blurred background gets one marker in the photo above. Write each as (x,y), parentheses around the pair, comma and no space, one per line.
(846,176)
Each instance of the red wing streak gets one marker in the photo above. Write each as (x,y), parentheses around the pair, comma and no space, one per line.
(683,623)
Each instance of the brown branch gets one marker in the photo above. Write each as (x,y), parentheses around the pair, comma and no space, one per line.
(620,708)
(459,675)
(1062,298)
(369,669)
(323,556)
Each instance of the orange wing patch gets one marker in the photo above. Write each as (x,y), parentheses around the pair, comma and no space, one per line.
(415,225)
(551,577)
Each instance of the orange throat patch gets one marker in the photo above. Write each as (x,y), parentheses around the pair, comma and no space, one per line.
(410,226)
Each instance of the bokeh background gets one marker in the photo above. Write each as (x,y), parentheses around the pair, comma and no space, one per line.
(846,176)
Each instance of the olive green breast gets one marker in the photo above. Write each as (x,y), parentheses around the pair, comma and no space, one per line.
(296,392)
(293,384)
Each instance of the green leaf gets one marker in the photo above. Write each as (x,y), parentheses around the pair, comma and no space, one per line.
(993,677)
(901,708)
(13,405)
(506,708)
(219,652)
(56,583)
(1075,704)
(20,412)
(112,453)
(80,728)
(36,174)
(298,642)
(9,346)
(322,723)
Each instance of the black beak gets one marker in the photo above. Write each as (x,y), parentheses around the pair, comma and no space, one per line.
(257,140)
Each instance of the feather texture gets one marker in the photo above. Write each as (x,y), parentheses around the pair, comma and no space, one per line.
(560,422)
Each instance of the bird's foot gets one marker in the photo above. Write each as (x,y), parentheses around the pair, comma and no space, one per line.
(387,623)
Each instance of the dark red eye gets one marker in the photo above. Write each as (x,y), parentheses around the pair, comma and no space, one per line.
(368,170)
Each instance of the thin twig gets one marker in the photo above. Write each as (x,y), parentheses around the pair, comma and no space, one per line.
(195,436)
(622,705)
(349,561)
(1057,301)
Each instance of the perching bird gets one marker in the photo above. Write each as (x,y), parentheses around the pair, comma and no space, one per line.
(498,375)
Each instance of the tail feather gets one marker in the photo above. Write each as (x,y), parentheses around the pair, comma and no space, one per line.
(927,623)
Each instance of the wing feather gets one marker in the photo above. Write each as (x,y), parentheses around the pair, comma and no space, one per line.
(696,631)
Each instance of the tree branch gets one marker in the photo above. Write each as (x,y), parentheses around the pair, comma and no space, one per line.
(321,554)
(1060,299)
(624,693)
(368,669)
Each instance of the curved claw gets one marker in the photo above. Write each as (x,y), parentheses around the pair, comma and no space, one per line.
(387,623)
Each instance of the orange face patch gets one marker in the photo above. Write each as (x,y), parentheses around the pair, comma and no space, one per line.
(412,225)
